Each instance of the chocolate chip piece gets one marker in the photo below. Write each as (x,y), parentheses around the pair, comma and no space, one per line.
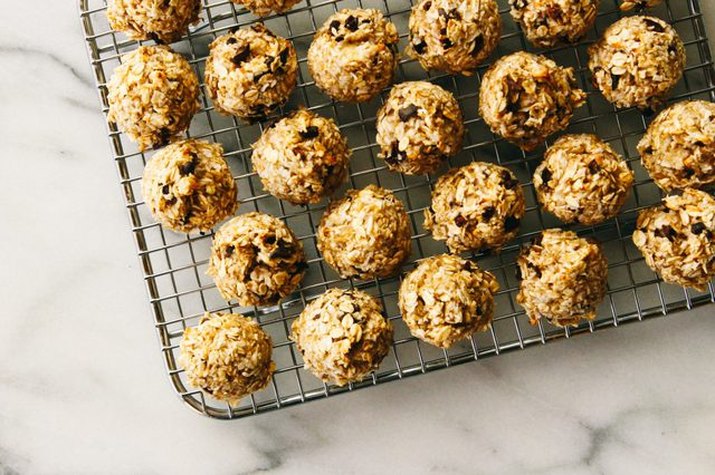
(520,4)
(165,190)
(426,6)
(406,113)
(420,47)
(233,29)
(339,38)
(396,155)
(310,132)
(241,56)
(460,220)
(615,80)
(351,23)
(688,172)
(511,223)
(593,167)
(335,25)
(269,240)
(189,167)
(672,48)
(164,136)
(284,55)
(488,213)
(648,151)
(653,25)
(446,43)
(697,228)
(231,41)
(508,181)
(187,217)
(535,268)
(283,250)
(228,250)
(478,44)
(666,232)
(517,273)
(546,176)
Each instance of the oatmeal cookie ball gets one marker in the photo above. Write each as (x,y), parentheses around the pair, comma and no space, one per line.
(342,336)
(678,149)
(366,234)
(263,8)
(227,356)
(256,260)
(563,278)
(418,127)
(302,158)
(525,98)
(638,4)
(353,55)
(153,95)
(453,36)
(548,22)
(446,299)
(250,72)
(476,207)
(163,21)
(188,186)
(637,62)
(582,179)
(677,238)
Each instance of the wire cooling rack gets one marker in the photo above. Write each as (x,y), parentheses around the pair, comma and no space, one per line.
(174,265)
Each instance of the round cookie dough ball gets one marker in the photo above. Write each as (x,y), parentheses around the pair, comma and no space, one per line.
(525,98)
(342,336)
(366,234)
(250,72)
(563,278)
(678,150)
(353,55)
(302,158)
(638,4)
(548,22)
(227,356)
(582,179)
(476,207)
(677,238)
(162,21)
(153,95)
(263,8)
(637,62)
(256,260)
(188,186)
(446,299)
(418,127)
(453,36)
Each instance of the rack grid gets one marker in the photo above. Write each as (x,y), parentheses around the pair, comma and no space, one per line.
(174,265)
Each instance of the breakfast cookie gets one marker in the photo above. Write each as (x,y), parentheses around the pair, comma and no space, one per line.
(162,21)
(263,8)
(546,23)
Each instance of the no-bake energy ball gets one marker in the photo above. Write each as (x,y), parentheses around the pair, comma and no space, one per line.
(366,234)
(256,260)
(302,158)
(582,179)
(638,4)
(418,127)
(163,21)
(453,36)
(227,356)
(548,22)
(446,299)
(637,62)
(525,98)
(353,55)
(677,238)
(563,278)
(250,72)
(188,186)
(678,150)
(263,8)
(476,207)
(153,95)
(342,336)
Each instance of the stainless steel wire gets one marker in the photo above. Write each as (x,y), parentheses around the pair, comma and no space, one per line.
(174,265)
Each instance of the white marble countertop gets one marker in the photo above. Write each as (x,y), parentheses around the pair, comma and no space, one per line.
(82,387)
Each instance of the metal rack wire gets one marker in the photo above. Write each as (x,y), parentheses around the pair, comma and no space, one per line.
(174,265)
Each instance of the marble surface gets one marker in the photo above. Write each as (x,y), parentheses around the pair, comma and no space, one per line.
(82,387)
